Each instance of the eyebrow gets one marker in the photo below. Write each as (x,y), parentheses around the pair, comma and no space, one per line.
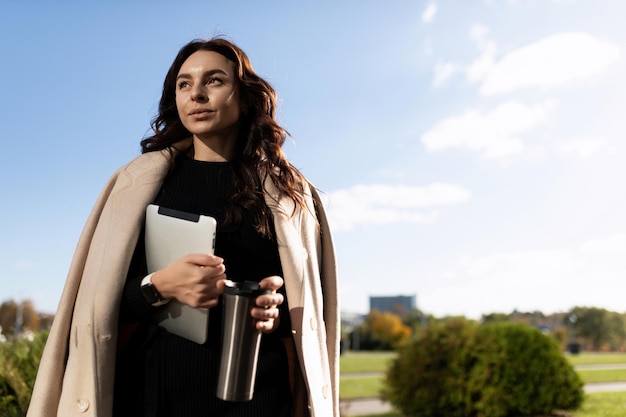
(205,74)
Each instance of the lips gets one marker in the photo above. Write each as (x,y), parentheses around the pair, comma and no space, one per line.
(200,112)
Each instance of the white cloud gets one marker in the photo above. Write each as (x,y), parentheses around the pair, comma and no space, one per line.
(551,62)
(478,33)
(443,71)
(390,204)
(429,13)
(583,148)
(615,244)
(478,69)
(495,134)
(481,66)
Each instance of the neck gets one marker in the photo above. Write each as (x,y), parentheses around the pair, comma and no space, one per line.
(213,149)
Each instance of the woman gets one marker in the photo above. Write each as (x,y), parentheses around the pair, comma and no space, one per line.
(216,150)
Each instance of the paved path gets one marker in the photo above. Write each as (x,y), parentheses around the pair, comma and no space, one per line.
(605,387)
(365,406)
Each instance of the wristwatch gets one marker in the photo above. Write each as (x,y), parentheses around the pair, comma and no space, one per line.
(150,292)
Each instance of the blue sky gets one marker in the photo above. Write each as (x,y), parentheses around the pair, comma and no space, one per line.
(470,153)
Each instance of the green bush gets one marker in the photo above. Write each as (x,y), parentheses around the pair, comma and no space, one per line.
(461,369)
(521,372)
(9,405)
(19,361)
(429,376)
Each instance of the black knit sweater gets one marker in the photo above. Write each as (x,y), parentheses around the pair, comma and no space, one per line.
(160,374)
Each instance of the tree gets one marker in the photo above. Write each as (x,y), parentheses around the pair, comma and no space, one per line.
(8,313)
(600,328)
(382,331)
(617,332)
(19,317)
(496,317)
(415,319)
(388,328)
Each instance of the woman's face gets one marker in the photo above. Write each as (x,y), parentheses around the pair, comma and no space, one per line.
(207,96)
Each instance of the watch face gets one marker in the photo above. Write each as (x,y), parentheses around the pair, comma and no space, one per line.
(150,293)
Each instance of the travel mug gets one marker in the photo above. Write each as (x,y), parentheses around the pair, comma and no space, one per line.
(240,342)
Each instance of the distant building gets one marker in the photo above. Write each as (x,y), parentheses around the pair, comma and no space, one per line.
(400,304)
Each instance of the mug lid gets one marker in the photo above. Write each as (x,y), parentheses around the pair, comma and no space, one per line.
(244,288)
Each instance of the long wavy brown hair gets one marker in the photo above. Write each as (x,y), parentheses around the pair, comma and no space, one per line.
(258,152)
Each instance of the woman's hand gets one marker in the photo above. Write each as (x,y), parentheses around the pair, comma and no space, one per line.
(266,312)
(195,279)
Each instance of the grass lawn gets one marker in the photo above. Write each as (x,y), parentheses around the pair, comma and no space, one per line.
(593,358)
(602,375)
(603,404)
(377,361)
(350,388)
(351,362)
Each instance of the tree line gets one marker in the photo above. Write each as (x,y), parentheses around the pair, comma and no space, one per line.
(19,318)
(580,328)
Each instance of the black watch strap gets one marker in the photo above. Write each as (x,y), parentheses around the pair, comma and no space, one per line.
(150,293)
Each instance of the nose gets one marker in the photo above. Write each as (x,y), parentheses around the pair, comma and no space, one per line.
(198,93)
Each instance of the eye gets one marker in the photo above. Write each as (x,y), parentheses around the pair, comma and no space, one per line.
(214,80)
(183,84)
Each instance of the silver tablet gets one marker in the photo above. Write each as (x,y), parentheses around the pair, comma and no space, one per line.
(170,235)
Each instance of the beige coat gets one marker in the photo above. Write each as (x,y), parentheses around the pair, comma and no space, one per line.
(76,373)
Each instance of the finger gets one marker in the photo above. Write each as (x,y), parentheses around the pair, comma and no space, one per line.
(202,259)
(270,300)
(265,314)
(220,284)
(211,272)
(265,326)
(271,283)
